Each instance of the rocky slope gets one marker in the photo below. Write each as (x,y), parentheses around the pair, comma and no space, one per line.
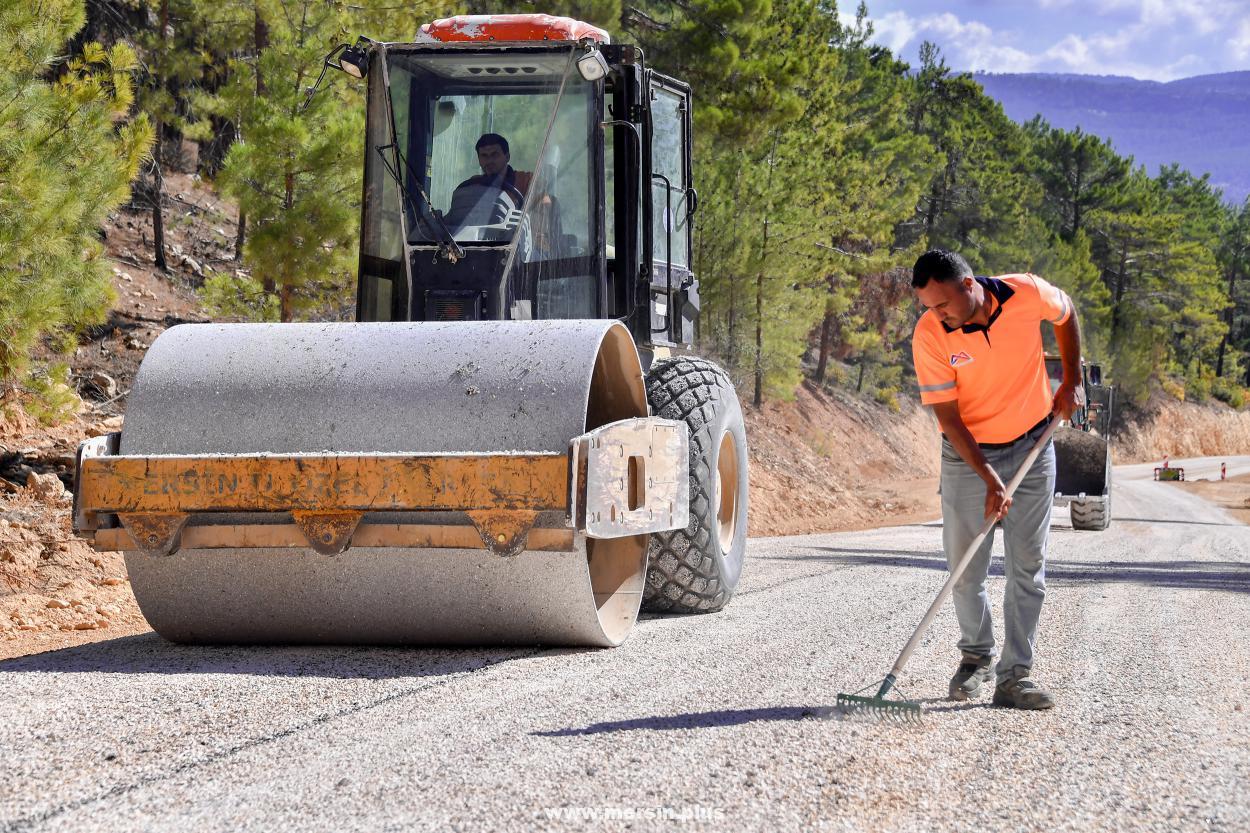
(1183,429)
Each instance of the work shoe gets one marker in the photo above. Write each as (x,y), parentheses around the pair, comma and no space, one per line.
(1019,692)
(973,671)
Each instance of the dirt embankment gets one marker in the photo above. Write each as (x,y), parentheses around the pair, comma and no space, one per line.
(55,590)
(831,461)
(1182,429)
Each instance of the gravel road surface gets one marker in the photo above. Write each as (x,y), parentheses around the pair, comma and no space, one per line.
(713,722)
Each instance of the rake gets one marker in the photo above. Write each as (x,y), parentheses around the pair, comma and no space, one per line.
(878,705)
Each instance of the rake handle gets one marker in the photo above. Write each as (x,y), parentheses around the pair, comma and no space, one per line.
(964,560)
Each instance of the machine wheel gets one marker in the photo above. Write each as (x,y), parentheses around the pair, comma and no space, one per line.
(1094,516)
(1091,516)
(696,569)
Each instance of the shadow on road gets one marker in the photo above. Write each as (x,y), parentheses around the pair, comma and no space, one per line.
(738,717)
(1118,519)
(699,720)
(150,654)
(1192,575)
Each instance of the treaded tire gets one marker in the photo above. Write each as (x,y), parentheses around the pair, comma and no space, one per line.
(1093,516)
(696,569)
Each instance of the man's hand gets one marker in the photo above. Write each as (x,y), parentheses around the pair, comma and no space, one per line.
(1069,397)
(996,500)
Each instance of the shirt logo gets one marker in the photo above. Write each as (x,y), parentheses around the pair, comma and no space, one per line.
(959,359)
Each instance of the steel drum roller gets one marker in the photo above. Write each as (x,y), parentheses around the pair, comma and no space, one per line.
(485,387)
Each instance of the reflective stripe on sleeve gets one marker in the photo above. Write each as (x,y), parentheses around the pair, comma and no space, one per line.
(933,388)
(1067,309)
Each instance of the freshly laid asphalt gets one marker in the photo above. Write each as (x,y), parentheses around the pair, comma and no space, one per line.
(722,722)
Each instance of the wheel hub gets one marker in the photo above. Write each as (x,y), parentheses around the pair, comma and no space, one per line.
(726,497)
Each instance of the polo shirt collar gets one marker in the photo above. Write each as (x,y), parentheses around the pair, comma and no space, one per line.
(1001,292)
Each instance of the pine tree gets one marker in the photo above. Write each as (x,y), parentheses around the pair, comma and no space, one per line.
(747,72)
(1234,258)
(880,166)
(295,167)
(980,200)
(1166,293)
(180,53)
(1079,173)
(67,155)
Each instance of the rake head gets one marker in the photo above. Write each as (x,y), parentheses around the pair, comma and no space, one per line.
(880,708)
(877,706)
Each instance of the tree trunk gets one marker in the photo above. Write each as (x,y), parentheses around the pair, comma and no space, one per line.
(241,237)
(154,197)
(286,303)
(826,343)
(260,32)
(731,317)
(1076,199)
(930,214)
(213,150)
(1118,295)
(158,178)
(286,289)
(859,385)
(758,398)
(1228,321)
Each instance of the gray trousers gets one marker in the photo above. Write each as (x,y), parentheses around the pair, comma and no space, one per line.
(1025,532)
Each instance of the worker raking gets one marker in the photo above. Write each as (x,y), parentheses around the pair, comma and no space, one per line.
(980,366)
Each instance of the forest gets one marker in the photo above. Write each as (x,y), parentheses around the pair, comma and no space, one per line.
(824,166)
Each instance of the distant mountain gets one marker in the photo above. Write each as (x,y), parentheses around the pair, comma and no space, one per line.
(1201,122)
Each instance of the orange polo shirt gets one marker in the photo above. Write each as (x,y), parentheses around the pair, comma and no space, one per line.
(996,372)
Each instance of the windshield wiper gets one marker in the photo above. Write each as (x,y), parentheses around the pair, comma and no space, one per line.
(447,245)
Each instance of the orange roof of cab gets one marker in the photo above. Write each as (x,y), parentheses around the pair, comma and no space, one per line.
(510,27)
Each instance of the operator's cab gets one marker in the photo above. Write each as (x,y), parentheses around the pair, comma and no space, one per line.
(1096,414)
(520,167)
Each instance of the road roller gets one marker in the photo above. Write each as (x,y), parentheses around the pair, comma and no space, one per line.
(513,443)
(1083,450)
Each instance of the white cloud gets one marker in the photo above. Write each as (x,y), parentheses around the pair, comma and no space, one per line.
(1133,49)
(1206,16)
(1239,45)
(894,30)
(978,46)
(969,44)
(1113,55)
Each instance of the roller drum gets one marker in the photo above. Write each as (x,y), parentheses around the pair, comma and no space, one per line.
(1081,463)
(423,388)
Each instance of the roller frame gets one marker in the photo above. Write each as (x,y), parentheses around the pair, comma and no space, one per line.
(622,479)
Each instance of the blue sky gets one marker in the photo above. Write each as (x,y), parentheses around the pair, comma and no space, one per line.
(1158,40)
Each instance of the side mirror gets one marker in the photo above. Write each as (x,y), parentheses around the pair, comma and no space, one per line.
(1095,374)
(692,202)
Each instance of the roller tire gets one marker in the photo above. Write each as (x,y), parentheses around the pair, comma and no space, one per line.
(691,570)
(1093,516)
